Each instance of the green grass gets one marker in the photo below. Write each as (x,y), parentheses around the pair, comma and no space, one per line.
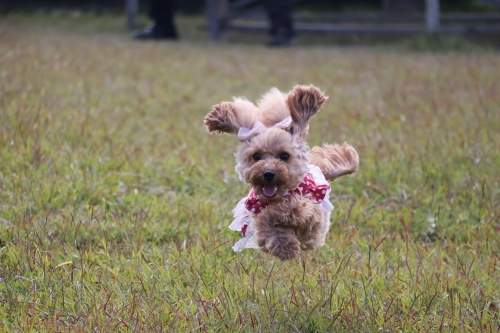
(115,202)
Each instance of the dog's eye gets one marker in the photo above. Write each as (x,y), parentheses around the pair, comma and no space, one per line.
(257,156)
(284,157)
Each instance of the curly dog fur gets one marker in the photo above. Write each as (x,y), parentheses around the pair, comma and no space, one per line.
(290,222)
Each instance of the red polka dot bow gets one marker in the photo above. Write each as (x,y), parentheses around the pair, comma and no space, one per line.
(308,185)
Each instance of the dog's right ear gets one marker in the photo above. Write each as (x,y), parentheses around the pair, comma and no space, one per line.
(229,117)
(222,119)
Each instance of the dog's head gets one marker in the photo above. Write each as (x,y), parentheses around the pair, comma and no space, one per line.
(272,162)
(273,154)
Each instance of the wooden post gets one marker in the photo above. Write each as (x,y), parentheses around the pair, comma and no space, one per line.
(131,8)
(432,16)
(216,17)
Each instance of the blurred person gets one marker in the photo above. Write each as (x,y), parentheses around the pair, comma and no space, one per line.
(279,13)
(161,13)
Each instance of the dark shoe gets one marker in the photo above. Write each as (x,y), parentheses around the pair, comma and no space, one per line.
(156,31)
(281,38)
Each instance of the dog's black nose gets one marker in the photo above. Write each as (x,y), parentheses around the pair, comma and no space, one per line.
(269,176)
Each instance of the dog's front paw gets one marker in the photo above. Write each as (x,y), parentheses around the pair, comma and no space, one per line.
(284,246)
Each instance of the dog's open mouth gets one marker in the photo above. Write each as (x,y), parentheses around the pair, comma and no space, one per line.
(270,190)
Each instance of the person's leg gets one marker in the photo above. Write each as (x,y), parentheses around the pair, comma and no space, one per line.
(163,27)
(162,13)
(280,19)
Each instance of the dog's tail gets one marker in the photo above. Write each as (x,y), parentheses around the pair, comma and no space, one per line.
(335,161)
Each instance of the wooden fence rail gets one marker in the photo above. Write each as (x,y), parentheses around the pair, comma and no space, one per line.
(362,29)
(375,17)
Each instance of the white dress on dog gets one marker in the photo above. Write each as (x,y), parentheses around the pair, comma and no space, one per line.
(242,212)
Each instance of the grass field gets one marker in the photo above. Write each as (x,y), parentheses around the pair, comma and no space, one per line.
(115,202)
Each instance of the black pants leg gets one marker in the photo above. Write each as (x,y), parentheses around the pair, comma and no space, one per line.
(280,17)
(162,13)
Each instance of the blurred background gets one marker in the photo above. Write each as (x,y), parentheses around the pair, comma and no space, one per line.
(192,6)
(455,24)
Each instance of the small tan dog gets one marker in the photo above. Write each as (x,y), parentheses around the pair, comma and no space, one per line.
(287,209)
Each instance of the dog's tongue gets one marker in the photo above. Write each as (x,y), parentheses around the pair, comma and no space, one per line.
(269,190)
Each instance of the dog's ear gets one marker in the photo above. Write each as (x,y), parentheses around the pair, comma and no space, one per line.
(229,117)
(335,161)
(304,102)
(222,119)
